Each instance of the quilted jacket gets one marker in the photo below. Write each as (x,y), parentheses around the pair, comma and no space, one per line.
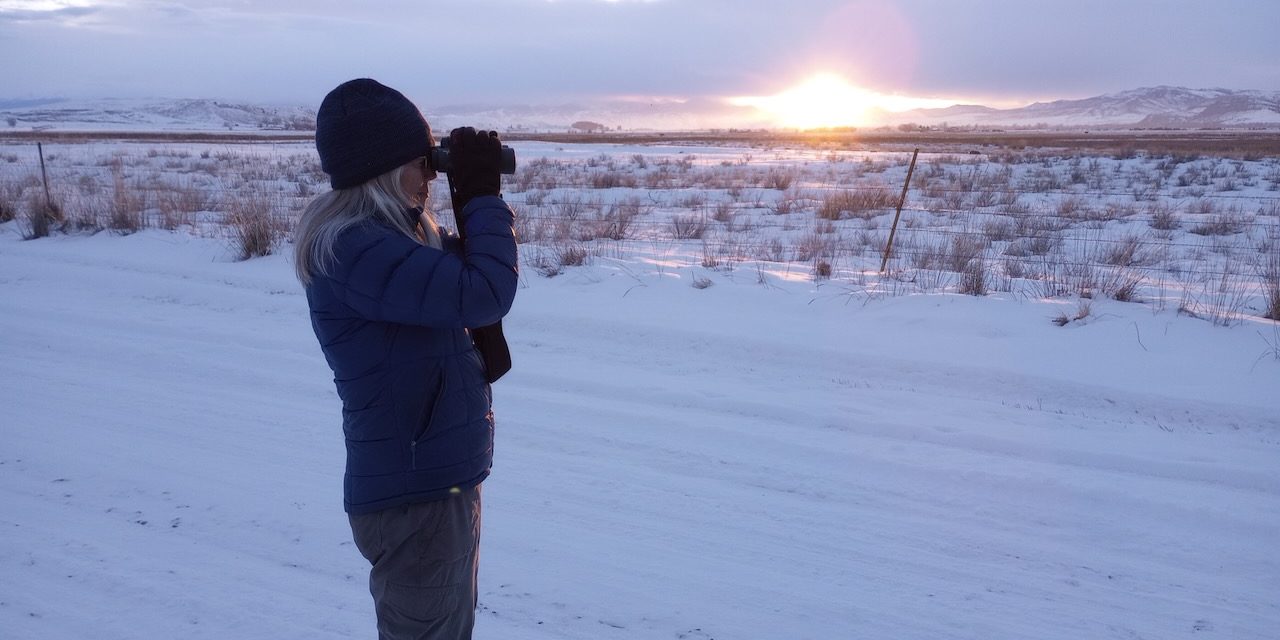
(392,318)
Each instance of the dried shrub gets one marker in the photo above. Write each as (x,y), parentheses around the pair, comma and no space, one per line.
(772,251)
(618,223)
(1163,218)
(1084,309)
(8,211)
(690,227)
(571,255)
(790,202)
(926,255)
(1122,285)
(709,258)
(87,211)
(1014,268)
(128,209)
(529,227)
(999,229)
(254,230)
(723,212)
(1223,224)
(546,265)
(814,245)
(1071,207)
(610,179)
(1036,245)
(571,208)
(1126,252)
(40,218)
(822,270)
(778,179)
(856,203)
(973,279)
(178,204)
(963,250)
(1270,275)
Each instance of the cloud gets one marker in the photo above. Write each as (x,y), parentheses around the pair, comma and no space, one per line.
(19,12)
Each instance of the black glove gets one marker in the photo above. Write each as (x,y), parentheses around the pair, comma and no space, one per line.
(476,157)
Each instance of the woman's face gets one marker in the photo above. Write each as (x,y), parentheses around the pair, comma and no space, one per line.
(414,180)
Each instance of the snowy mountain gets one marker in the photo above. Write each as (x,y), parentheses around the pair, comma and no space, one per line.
(1161,106)
(214,115)
(1150,107)
(153,114)
(655,114)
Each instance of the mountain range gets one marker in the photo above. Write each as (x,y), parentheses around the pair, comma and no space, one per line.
(1149,107)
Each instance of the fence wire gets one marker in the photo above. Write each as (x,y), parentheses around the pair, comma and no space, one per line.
(803,211)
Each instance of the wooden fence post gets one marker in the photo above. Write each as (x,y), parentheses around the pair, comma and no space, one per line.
(888,247)
(44,177)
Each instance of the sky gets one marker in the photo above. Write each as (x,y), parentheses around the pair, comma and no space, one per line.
(497,52)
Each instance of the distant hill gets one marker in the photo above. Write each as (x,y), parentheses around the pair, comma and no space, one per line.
(152,115)
(1150,107)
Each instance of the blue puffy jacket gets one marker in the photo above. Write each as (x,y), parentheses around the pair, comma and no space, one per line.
(390,318)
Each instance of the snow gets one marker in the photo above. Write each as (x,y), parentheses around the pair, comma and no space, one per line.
(1173,106)
(157,115)
(741,461)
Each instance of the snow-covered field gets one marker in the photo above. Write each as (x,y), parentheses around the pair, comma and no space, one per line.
(773,455)
(1192,232)
(735,462)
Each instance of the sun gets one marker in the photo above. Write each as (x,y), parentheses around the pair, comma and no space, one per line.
(827,100)
(824,100)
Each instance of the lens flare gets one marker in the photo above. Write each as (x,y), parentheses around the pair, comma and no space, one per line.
(828,100)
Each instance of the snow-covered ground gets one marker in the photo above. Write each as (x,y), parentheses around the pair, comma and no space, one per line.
(776,461)
(1190,231)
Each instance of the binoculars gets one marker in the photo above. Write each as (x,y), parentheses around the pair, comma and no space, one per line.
(439,159)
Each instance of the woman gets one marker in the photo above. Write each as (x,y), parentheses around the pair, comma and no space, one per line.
(391,301)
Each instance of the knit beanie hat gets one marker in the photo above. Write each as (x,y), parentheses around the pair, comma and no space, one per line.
(365,129)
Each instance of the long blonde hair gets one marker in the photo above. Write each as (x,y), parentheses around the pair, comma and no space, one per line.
(331,213)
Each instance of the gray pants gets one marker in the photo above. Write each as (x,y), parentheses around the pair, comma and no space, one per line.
(425,557)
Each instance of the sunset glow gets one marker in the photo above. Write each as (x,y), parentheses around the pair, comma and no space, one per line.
(828,100)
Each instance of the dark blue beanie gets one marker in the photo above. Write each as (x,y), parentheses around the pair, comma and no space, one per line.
(365,129)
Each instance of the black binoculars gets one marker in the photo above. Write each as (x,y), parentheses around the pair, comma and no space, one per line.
(439,159)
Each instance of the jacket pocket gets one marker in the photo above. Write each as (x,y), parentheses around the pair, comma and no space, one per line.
(427,421)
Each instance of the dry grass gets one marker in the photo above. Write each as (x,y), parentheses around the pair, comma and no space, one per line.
(571,255)
(1056,235)
(1084,309)
(965,249)
(10,196)
(178,204)
(1222,224)
(974,278)
(1162,217)
(778,179)
(1122,285)
(127,212)
(1270,274)
(688,227)
(42,216)
(254,230)
(865,202)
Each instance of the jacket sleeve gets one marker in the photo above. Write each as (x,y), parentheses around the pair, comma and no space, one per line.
(382,275)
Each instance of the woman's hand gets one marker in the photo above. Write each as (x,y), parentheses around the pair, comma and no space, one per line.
(476,157)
